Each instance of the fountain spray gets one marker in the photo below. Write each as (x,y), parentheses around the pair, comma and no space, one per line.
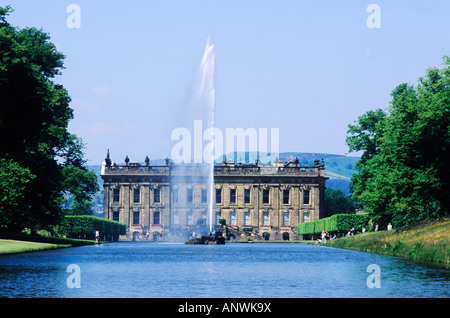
(207,93)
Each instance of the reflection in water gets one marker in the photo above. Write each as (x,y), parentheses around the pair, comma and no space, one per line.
(234,270)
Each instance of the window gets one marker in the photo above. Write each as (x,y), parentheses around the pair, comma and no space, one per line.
(189,218)
(136,215)
(175,195)
(175,218)
(265,218)
(305,217)
(116,195)
(246,195)
(156,195)
(218,195)
(190,195)
(116,216)
(156,217)
(136,196)
(285,196)
(204,196)
(305,196)
(247,218)
(286,218)
(232,218)
(266,196)
(232,195)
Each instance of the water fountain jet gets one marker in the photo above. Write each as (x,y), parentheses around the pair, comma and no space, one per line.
(206,93)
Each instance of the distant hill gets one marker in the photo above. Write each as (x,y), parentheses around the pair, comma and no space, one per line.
(338,169)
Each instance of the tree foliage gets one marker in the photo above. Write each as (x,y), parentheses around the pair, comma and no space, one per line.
(338,223)
(337,202)
(403,174)
(13,193)
(83,226)
(34,116)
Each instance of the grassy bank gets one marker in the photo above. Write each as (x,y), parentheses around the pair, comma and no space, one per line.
(425,241)
(13,246)
(19,243)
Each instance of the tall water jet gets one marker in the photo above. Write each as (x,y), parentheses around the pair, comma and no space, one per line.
(207,96)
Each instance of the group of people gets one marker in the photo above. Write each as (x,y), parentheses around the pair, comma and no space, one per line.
(389,226)
(351,231)
(326,236)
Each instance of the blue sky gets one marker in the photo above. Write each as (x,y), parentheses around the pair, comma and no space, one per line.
(309,68)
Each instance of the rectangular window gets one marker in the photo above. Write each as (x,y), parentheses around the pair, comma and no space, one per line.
(246,195)
(190,195)
(247,218)
(175,195)
(156,217)
(204,196)
(232,196)
(285,196)
(189,218)
(305,217)
(136,196)
(286,218)
(265,218)
(116,216)
(218,195)
(156,195)
(266,196)
(116,195)
(232,218)
(305,196)
(136,217)
(175,218)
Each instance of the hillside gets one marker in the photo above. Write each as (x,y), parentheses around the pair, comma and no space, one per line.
(338,169)
(425,241)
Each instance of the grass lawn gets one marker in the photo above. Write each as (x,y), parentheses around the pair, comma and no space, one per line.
(13,246)
(427,240)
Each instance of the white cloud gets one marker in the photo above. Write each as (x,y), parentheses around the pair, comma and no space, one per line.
(101,90)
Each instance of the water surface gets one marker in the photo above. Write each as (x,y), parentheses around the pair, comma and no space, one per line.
(142,269)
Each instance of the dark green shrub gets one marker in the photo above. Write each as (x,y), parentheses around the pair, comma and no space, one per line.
(84,227)
(338,223)
(201,221)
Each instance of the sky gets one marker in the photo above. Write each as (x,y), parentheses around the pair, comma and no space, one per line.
(308,68)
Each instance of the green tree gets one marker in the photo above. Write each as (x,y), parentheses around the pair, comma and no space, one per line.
(13,194)
(365,135)
(34,116)
(337,202)
(404,179)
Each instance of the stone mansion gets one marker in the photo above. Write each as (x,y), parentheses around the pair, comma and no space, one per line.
(159,200)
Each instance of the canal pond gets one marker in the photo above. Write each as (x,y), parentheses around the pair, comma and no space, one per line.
(287,270)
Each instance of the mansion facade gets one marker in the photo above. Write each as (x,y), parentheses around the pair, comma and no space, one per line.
(267,200)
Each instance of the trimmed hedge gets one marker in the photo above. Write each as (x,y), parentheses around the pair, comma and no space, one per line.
(338,223)
(84,226)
